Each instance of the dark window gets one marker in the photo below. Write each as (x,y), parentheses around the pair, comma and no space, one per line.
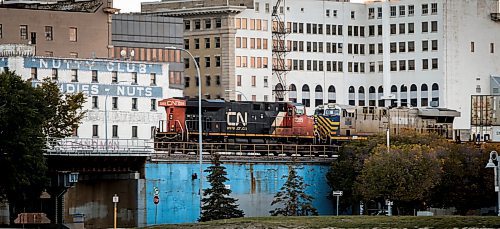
(115,131)
(95,77)
(23,29)
(95,131)
(134,131)
(114,103)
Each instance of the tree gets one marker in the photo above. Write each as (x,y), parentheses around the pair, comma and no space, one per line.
(405,175)
(216,201)
(293,198)
(28,115)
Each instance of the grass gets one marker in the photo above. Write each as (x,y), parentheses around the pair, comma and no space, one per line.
(349,222)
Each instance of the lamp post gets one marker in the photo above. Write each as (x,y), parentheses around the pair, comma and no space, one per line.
(200,137)
(241,93)
(494,157)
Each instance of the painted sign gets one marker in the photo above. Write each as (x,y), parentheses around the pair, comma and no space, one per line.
(110,90)
(89,65)
(3,62)
(237,120)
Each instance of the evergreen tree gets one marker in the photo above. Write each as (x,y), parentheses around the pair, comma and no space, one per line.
(293,197)
(216,201)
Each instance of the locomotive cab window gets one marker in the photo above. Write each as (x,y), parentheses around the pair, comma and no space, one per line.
(299,110)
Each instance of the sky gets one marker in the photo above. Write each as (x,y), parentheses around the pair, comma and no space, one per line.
(135,5)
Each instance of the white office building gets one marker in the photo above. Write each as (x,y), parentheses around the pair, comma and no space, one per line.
(122,94)
(379,53)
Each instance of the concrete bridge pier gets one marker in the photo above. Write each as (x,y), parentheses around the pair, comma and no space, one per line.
(93,197)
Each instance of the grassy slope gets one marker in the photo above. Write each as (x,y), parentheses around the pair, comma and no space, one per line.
(350,222)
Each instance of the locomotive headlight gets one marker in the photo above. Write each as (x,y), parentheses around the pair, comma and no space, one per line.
(171,116)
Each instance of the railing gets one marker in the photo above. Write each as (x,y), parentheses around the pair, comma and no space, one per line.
(164,150)
(99,147)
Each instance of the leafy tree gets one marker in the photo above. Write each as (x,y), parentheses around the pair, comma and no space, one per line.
(216,201)
(404,175)
(28,115)
(293,197)
(465,182)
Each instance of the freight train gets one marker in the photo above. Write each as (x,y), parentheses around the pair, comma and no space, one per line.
(287,122)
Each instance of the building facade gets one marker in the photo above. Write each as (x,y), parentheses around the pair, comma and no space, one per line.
(376,53)
(122,94)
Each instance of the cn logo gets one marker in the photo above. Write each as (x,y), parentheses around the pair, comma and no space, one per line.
(237,118)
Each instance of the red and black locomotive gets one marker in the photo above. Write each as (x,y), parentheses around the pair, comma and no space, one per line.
(232,121)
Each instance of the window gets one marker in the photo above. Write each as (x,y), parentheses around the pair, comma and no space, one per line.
(74,75)
(55,74)
(217,42)
(197,43)
(115,131)
(492,47)
(217,61)
(371,48)
(435,63)
(393,29)
(335,13)
(402,65)
(238,80)
(95,102)
(353,14)
(153,104)
(34,73)
(402,47)
(371,13)
(254,81)
(114,77)
(472,46)
(379,28)
(266,81)
(411,28)
(73,34)
(411,10)
(208,23)
(48,33)
(411,65)
(425,9)
(394,66)
(134,131)
(114,103)
(1,29)
(434,8)
(434,26)
(208,81)
(371,30)
(187,25)
(95,77)
(134,104)
(327,13)
(402,28)
(207,43)
(411,46)
(153,79)
(393,47)
(402,11)
(218,23)
(23,29)
(425,64)
(95,131)
(217,80)
(379,12)
(134,77)
(393,11)
(73,54)
(197,24)
(425,46)
(267,7)
(434,45)
(186,81)
(425,27)
(186,43)
(207,61)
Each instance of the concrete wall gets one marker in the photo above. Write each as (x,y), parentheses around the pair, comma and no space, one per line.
(253,184)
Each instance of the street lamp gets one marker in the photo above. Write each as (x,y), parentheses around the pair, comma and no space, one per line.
(200,138)
(241,93)
(494,157)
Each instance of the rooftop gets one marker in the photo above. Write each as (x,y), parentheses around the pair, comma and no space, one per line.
(89,6)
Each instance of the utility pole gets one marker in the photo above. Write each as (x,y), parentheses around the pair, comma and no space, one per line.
(115,202)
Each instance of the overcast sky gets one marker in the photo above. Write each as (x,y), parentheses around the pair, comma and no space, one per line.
(135,5)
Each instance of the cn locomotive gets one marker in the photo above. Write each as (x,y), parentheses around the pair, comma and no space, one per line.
(287,122)
(231,121)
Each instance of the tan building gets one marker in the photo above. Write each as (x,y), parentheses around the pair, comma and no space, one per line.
(209,34)
(71,29)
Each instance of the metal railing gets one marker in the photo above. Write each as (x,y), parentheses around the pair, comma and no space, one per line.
(168,149)
(97,147)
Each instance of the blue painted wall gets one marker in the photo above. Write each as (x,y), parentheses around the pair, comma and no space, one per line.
(253,184)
